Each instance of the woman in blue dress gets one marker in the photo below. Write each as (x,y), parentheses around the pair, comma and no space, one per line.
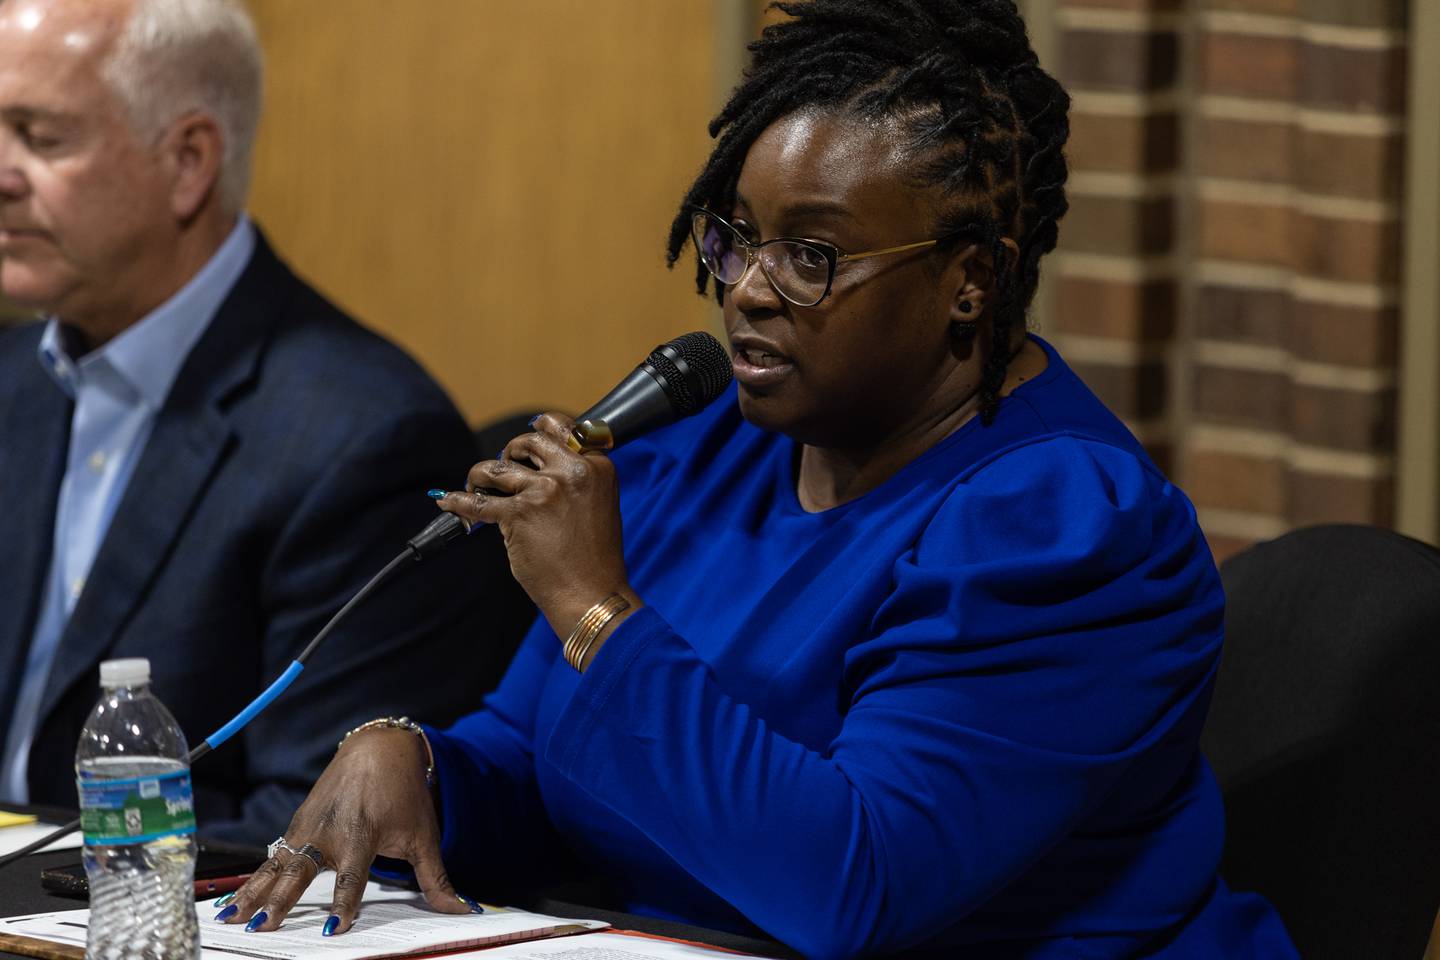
(903,644)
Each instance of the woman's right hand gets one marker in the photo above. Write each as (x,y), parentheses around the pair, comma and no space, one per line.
(372,799)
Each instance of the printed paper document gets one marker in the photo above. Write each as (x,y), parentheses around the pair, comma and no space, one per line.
(392,923)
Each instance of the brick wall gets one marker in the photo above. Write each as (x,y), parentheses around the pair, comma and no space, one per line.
(1298,136)
(1115,287)
(1228,276)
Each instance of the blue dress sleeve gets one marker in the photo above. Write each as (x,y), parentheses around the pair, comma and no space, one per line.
(494,831)
(1058,617)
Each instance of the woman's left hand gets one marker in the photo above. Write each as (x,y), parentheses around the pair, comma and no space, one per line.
(559,513)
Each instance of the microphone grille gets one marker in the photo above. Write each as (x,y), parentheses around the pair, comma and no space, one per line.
(697,368)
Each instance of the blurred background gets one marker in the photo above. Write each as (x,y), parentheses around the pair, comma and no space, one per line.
(1249,273)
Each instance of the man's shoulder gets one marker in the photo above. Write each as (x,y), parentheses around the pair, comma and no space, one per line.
(320,337)
(318,356)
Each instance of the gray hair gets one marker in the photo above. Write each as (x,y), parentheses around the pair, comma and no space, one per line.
(177,56)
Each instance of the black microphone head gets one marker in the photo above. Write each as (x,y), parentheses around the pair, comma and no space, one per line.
(677,379)
(695,369)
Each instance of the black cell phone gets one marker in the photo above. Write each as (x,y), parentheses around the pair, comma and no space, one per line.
(213,861)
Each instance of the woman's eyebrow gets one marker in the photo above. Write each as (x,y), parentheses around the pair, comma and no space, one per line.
(816,208)
(800,209)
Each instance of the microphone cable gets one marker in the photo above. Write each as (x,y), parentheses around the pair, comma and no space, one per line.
(425,544)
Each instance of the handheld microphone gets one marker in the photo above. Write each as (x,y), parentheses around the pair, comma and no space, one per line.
(678,379)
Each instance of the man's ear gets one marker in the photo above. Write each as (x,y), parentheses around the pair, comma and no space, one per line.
(974,281)
(193,151)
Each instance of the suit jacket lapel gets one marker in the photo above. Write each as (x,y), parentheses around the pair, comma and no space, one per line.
(37,418)
(186,446)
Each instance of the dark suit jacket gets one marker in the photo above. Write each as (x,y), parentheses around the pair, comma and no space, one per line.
(288,465)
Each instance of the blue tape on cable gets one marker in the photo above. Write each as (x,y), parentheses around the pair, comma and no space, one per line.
(259,703)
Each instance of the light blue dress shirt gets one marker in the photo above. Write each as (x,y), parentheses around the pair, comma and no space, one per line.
(117,391)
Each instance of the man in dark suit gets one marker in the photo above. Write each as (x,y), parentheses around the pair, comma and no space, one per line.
(200,458)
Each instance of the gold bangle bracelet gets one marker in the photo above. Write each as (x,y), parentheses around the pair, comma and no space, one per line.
(582,628)
(583,637)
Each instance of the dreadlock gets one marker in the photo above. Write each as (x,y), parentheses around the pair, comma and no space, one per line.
(986,124)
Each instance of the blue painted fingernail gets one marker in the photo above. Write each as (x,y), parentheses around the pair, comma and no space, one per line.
(533,419)
(500,455)
(330,925)
(474,907)
(257,921)
(227,913)
(436,494)
(224,900)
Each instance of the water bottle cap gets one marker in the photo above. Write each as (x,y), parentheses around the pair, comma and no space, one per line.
(125,673)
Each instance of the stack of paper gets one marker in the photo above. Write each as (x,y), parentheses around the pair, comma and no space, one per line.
(392,923)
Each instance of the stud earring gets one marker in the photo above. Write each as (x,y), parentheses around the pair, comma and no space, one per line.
(965,329)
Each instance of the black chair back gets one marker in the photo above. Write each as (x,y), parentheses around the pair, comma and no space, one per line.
(1325,735)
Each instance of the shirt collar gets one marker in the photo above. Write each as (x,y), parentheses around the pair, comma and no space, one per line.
(148,355)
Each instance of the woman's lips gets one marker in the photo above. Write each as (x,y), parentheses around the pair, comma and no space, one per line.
(758,367)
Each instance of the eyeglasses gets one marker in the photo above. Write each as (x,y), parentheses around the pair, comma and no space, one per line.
(801,271)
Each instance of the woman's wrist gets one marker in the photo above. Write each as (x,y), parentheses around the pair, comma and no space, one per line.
(398,725)
(586,633)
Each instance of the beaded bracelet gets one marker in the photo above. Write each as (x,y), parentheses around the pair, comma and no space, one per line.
(583,637)
(400,723)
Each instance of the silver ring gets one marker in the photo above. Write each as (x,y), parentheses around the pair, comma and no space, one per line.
(309,851)
(316,857)
(277,845)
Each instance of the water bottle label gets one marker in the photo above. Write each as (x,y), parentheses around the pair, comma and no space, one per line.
(135,811)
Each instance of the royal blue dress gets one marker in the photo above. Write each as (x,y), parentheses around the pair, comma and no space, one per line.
(960,711)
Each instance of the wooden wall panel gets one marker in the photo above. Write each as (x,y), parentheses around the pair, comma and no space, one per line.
(490,184)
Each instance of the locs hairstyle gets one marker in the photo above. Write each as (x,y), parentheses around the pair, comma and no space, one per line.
(983,121)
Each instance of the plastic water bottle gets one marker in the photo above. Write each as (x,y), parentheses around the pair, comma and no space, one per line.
(139,822)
